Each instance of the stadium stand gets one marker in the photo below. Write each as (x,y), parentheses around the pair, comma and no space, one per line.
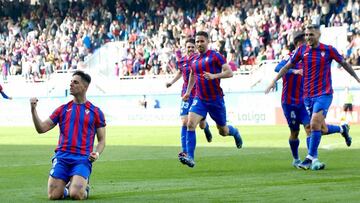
(39,38)
(130,46)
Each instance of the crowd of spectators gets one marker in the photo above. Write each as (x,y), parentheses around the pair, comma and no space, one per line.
(36,40)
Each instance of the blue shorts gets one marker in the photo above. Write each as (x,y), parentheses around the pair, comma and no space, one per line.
(316,104)
(185,106)
(296,115)
(66,165)
(215,108)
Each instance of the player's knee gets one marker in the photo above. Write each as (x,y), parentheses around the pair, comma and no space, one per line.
(223,132)
(294,135)
(77,195)
(54,196)
(315,126)
(77,192)
(54,192)
(307,128)
(184,122)
(202,124)
(191,125)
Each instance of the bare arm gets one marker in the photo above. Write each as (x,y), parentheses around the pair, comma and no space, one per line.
(190,86)
(350,70)
(176,78)
(40,126)
(100,134)
(226,72)
(282,72)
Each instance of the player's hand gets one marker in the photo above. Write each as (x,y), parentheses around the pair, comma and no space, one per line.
(33,102)
(94,156)
(10,98)
(208,76)
(298,72)
(168,84)
(271,87)
(186,97)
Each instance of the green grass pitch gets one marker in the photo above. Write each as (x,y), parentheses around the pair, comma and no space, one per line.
(140,164)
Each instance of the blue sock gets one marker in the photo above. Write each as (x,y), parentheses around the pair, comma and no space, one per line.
(183,138)
(232,130)
(294,146)
(206,126)
(314,143)
(191,143)
(333,129)
(308,142)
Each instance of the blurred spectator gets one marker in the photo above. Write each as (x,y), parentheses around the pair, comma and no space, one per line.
(143,102)
(117,70)
(37,40)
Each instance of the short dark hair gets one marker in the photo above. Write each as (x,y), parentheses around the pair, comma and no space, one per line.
(312,26)
(298,36)
(203,33)
(84,76)
(190,40)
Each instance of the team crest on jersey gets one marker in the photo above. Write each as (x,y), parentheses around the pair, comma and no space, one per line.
(322,54)
(87,111)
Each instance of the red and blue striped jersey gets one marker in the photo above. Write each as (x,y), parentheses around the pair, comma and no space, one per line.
(317,68)
(292,91)
(78,124)
(210,61)
(184,67)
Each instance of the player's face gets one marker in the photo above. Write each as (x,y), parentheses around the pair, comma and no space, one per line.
(312,37)
(201,43)
(190,48)
(77,86)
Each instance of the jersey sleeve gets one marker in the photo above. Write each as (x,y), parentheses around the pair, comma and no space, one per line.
(178,64)
(281,65)
(221,60)
(99,118)
(334,54)
(297,56)
(55,116)
(191,61)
